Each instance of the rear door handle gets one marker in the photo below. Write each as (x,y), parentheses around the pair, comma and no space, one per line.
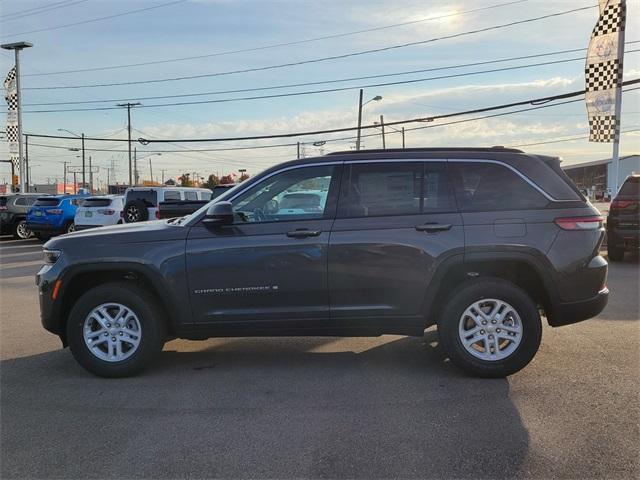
(303,233)
(433,227)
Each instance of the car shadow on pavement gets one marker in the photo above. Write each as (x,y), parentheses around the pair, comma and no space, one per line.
(262,407)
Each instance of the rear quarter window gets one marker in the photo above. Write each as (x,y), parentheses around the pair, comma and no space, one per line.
(190,195)
(3,201)
(171,196)
(487,186)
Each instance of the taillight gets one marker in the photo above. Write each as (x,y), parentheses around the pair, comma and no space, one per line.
(620,204)
(55,211)
(3,208)
(158,213)
(107,211)
(579,223)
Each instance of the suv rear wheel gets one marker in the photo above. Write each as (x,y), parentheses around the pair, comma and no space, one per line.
(20,231)
(490,328)
(115,330)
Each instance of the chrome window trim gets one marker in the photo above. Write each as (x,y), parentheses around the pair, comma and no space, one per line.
(397,160)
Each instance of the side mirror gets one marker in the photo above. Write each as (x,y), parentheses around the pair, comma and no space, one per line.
(219,214)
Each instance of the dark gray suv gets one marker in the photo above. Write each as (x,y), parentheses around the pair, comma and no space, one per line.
(480,242)
(13,214)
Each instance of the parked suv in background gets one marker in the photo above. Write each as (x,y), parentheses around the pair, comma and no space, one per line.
(99,212)
(142,203)
(13,214)
(623,221)
(475,241)
(53,215)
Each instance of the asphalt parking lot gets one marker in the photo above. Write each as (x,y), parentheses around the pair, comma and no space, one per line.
(387,407)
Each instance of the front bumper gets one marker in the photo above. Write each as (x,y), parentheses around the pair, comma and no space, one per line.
(50,311)
(574,312)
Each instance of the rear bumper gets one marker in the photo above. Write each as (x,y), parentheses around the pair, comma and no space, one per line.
(45,228)
(623,238)
(574,312)
(86,227)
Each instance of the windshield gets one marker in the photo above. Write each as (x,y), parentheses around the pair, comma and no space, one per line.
(631,186)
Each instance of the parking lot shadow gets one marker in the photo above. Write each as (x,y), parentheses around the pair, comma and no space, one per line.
(262,408)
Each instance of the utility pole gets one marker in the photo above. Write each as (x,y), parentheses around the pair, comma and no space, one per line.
(359,119)
(26,161)
(129,105)
(402,137)
(64,178)
(298,150)
(17,47)
(150,170)
(163,170)
(83,175)
(90,176)
(75,183)
(135,166)
(384,142)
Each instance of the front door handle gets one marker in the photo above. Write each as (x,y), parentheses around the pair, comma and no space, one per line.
(433,227)
(303,233)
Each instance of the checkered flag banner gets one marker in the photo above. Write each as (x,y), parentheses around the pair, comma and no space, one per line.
(603,72)
(11,96)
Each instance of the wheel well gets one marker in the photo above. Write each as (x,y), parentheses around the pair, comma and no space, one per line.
(85,281)
(519,272)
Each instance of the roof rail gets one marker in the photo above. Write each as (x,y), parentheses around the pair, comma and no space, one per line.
(432,149)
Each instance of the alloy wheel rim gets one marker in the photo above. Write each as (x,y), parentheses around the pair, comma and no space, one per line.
(112,332)
(132,214)
(72,228)
(22,231)
(490,329)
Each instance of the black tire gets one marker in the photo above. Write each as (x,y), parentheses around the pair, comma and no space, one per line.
(615,254)
(486,288)
(135,211)
(149,314)
(19,229)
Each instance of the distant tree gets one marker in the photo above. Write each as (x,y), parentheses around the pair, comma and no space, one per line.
(211,182)
(243,177)
(185,180)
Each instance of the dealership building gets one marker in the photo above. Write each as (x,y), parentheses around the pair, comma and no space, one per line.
(597,176)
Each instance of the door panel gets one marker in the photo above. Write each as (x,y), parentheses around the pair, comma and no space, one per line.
(253,273)
(270,266)
(395,222)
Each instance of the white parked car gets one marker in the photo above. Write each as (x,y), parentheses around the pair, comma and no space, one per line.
(99,212)
(142,203)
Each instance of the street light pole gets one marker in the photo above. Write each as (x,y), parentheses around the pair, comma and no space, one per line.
(384,142)
(135,165)
(84,185)
(64,178)
(17,47)
(402,137)
(26,161)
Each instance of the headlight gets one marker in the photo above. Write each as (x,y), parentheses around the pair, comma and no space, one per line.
(51,256)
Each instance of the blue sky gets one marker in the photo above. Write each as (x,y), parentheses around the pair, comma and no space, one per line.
(204,27)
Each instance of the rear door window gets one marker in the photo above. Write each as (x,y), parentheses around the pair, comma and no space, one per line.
(190,195)
(484,186)
(205,196)
(395,188)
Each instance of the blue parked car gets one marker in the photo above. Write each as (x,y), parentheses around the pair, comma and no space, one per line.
(53,215)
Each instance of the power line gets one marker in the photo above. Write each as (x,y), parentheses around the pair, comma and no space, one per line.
(38,10)
(322,59)
(568,139)
(283,44)
(324,82)
(315,92)
(108,17)
(539,103)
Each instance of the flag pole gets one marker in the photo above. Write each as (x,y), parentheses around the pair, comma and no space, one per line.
(615,156)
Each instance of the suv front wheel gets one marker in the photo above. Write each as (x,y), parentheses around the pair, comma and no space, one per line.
(115,330)
(490,328)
